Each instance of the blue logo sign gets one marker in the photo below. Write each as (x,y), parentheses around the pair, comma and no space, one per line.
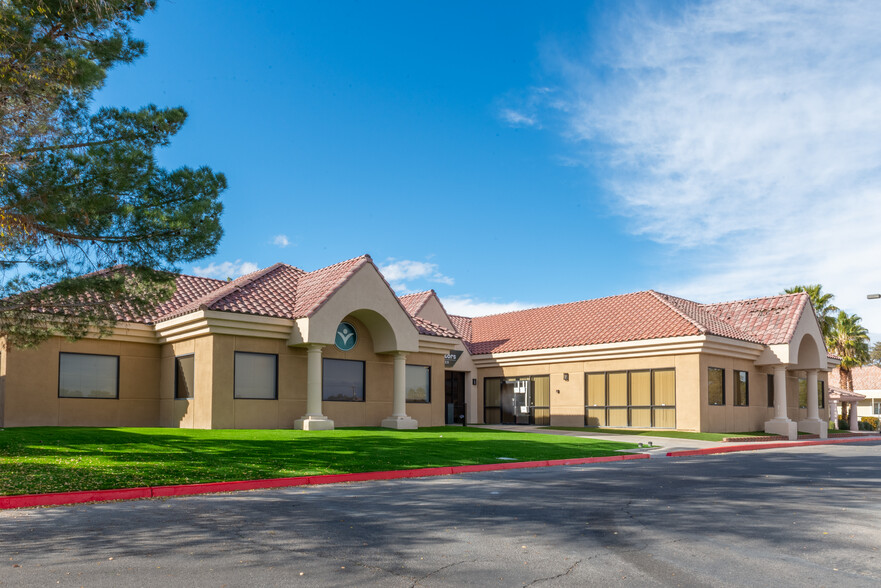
(345,337)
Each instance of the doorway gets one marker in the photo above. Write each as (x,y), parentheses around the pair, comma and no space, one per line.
(454,384)
(517,401)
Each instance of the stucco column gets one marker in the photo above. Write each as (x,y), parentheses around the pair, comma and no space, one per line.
(313,420)
(780,392)
(813,424)
(399,418)
(780,424)
(854,419)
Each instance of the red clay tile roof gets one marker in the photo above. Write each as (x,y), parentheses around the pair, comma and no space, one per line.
(628,317)
(865,377)
(462,324)
(413,303)
(770,320)
(315,288)
(426,327)
(632,317)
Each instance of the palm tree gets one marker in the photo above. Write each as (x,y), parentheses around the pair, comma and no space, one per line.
(849,340)
(822,306)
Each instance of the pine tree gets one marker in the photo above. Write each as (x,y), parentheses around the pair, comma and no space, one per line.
(80,190)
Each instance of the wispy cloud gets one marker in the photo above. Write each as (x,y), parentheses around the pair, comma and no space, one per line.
(400,272)
(516,118)
(747,136)
(469,306)
(281,241)
(226,269)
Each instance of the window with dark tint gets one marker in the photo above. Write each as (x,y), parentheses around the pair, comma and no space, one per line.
(82,375)
(256,376)
(771,390)
(802,393)
(343,380)
(741,388)
(716,388)
(418,383)
(821,393)
(185,370)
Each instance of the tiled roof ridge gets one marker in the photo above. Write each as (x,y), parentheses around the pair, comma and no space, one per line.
(663,298)
(556,305)
(223,291)
(359,263)
(805,299)
(751,299)
(423,294)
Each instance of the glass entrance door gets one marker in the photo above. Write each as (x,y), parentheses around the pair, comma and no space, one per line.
(518,401)
(454,397)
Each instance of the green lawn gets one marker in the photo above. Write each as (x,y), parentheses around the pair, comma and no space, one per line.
(662,433)
(58,459)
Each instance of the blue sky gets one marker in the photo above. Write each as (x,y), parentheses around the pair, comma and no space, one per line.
(516,154)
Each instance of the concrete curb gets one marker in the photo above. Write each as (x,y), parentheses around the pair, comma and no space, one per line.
(759,446)
(60,498)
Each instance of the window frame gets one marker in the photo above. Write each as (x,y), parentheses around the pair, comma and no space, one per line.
(363,363)
(710,370)
(737,383)
(60,353)
(177,359)
(234,369)
(427,391)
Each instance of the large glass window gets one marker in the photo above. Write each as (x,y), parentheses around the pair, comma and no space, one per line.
(256,376)
(802,393)
(418,383)
(521,400)
(82,375)
(876,407)
(343,380)
(716,388)
(741,388)
(185,371)
(821,393)
(637,398)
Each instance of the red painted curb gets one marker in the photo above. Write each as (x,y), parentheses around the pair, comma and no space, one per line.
(59,498)
(756,447)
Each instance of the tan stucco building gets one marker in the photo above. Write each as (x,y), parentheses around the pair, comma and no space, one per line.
(284,348)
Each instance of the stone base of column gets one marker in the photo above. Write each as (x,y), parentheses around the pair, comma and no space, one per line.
(815,427)
(400,422)
(783,427)
(314,423)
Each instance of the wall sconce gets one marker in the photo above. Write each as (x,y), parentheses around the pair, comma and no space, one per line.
(565,378)
(474,381)
(558,391)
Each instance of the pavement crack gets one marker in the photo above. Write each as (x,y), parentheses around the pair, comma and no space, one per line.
(416,582)
(566,573)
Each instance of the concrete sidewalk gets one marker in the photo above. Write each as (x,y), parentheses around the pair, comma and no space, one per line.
(660,445)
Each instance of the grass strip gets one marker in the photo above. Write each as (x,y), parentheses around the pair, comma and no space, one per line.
(662,433)
(62,459)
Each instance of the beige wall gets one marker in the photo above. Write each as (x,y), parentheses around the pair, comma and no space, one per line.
(567,397)
(31,384)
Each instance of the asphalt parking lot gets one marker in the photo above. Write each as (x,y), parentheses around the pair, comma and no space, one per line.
(793,517)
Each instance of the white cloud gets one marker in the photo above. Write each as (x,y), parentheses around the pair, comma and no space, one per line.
(226,269)
(746,135)
(517,119)
(281,241)
(400,272)
(468,306)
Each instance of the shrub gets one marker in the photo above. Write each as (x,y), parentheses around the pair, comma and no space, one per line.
(870,422)
(843,425)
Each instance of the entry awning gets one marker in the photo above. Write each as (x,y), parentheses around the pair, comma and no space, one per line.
(839,395)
